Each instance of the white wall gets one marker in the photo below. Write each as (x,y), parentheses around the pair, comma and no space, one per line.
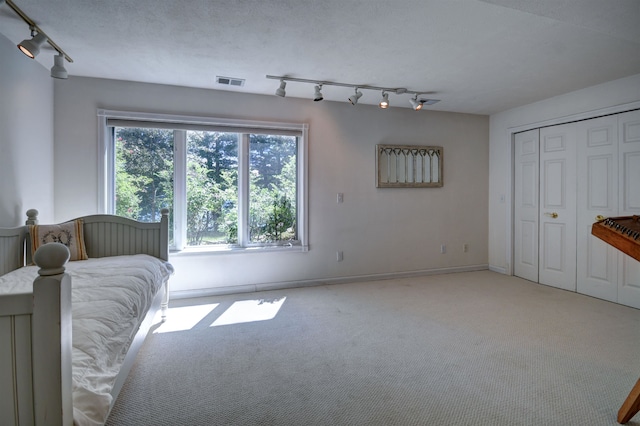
(26,137)
(380,231)
(614,96)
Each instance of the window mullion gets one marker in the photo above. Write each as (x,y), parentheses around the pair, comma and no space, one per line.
(110,169)
(243,191)
(180,189)
(302,187)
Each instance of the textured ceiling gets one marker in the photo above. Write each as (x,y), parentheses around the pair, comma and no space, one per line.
(475,56)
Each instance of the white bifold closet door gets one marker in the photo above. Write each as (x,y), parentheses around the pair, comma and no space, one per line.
(629,201)
(545,206)
(566,176)
(526,201)
(597,261)
(557,213)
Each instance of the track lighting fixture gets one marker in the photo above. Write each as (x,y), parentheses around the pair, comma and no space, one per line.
(58,70)
(416,103)
(354,98)
(280,90)
(317,95)
(31,47)
(384,103)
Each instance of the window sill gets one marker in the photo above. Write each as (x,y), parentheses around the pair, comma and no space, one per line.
(194,251)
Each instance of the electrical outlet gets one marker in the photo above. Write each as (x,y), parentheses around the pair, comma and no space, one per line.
(465,247)
(339,256)
(443,249)
(340,198)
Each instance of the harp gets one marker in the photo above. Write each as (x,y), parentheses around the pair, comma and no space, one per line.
(622,233)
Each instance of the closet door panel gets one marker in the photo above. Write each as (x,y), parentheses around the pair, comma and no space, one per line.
(631,181)
(629,178)
(526,194)
(557,219)
(630,162)
(597,194)
(629,285)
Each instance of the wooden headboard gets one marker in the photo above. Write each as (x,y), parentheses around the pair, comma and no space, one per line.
(104,235)
(108,235)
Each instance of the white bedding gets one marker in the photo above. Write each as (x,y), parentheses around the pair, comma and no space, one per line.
(110,297)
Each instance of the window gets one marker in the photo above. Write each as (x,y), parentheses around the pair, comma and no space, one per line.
(229,184)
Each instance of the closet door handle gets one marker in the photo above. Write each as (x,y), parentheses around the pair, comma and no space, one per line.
(553,215)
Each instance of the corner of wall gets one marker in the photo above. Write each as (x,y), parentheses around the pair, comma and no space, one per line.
(26,135)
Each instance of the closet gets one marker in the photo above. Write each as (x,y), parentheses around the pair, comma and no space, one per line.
(565,176)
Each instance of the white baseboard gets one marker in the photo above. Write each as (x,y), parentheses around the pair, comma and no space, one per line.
(250,288)
(498,269)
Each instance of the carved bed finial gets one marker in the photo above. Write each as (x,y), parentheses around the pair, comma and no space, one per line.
(32,217)
(51,258)
(164,211)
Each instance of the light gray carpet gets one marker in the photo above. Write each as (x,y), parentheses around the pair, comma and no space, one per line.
(475,348)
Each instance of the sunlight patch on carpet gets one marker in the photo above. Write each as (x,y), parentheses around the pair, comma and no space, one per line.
(250,311)
(184,318)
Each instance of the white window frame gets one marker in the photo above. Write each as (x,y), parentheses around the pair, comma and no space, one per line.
(106,172)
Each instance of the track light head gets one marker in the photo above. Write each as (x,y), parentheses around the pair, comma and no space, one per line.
(280,90)
(384,103)
(317,96)
(31,48)
(354,98)
(415,103)
(58,70)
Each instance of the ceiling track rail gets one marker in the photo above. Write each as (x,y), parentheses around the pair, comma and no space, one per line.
(396,90)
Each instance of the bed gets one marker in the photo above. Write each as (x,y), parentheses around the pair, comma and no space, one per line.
(70,331)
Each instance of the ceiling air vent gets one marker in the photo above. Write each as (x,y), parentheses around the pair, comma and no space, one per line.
(229,81)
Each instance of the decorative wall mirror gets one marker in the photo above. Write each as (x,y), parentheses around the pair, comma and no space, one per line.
(408,166)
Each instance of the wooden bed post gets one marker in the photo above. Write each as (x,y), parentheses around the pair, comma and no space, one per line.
(164,255)
(164,234)
(32,217)
(51,338)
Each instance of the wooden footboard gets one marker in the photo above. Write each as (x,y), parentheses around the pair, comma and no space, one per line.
(35,367)
(35,328)
(16,404)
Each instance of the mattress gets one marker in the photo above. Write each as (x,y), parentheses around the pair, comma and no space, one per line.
(110,298)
